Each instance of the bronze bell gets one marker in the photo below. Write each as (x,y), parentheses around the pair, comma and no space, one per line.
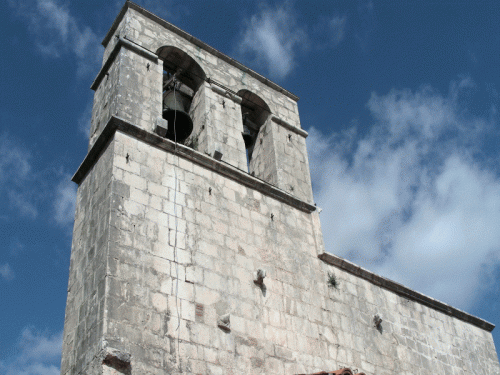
(175,111)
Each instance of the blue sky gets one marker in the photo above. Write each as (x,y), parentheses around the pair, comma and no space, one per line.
(400,99)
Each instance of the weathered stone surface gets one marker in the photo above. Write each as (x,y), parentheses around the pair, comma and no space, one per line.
(167,241)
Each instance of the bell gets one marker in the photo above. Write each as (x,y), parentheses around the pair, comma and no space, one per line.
(247,136)
(175,111)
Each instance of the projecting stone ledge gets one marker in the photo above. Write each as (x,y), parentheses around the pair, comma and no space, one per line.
(227,170)
(404,291)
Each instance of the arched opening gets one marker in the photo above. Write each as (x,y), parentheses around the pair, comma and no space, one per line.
(182,77)
(255,112)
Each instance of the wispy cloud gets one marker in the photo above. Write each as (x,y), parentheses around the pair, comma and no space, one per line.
(28,190)
(20,202)
(337,27)
(16,246)
(58,32)
(15,175)
(272,38)
(84,119)
(6,272)
(366,23)
(329,32)
(167,9)
(36,354)
(64,202)
(416,199)
(14,160)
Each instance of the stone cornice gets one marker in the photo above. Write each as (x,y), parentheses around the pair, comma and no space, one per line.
(290,127)
(404,291)
(122,42)
(196,42)
(227,170)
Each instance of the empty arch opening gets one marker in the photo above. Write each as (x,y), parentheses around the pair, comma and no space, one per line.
(255,112)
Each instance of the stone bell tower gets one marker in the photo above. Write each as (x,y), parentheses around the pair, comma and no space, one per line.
(197,248)
(196,177)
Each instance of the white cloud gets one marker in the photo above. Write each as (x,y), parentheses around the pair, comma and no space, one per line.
(64,202)
(27,191)
(365,24)
(54,16)
(20,202)
(329,32)
(84,120)
(166,9)
(337,27)
(272,38)
(57,32)
(14,160)
(6,272)
(15,176)
(36,354)
(411,200)
(40,346)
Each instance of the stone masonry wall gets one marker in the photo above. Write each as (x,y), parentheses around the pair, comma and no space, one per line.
(105,102)
(263,163)
(138,93)
(292,162)
(164,300)
(132,90)
(140,89)
(218,125)
(83,326)
(165,245)
(151,35)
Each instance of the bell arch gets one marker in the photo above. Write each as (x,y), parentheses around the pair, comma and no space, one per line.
(255,112)
(182,78)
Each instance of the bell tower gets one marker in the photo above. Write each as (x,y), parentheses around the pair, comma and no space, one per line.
(197,248)
(196,178)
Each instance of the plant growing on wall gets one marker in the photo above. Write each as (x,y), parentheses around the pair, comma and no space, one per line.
(332,281)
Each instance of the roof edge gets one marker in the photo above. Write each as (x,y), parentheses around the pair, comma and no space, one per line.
(128,4)
(404,291)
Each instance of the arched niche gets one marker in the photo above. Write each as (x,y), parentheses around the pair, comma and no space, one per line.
(182,77)
(175,60)
(255,112)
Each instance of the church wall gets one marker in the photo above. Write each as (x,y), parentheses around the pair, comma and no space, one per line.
(85,313)
(296,324)
(167,241)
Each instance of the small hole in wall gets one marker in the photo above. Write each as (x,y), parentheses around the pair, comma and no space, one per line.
(289,137)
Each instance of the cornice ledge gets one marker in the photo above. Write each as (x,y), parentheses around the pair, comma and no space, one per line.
(129,4)
(122,42)
(404,291)
(227,170)
(290,127)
